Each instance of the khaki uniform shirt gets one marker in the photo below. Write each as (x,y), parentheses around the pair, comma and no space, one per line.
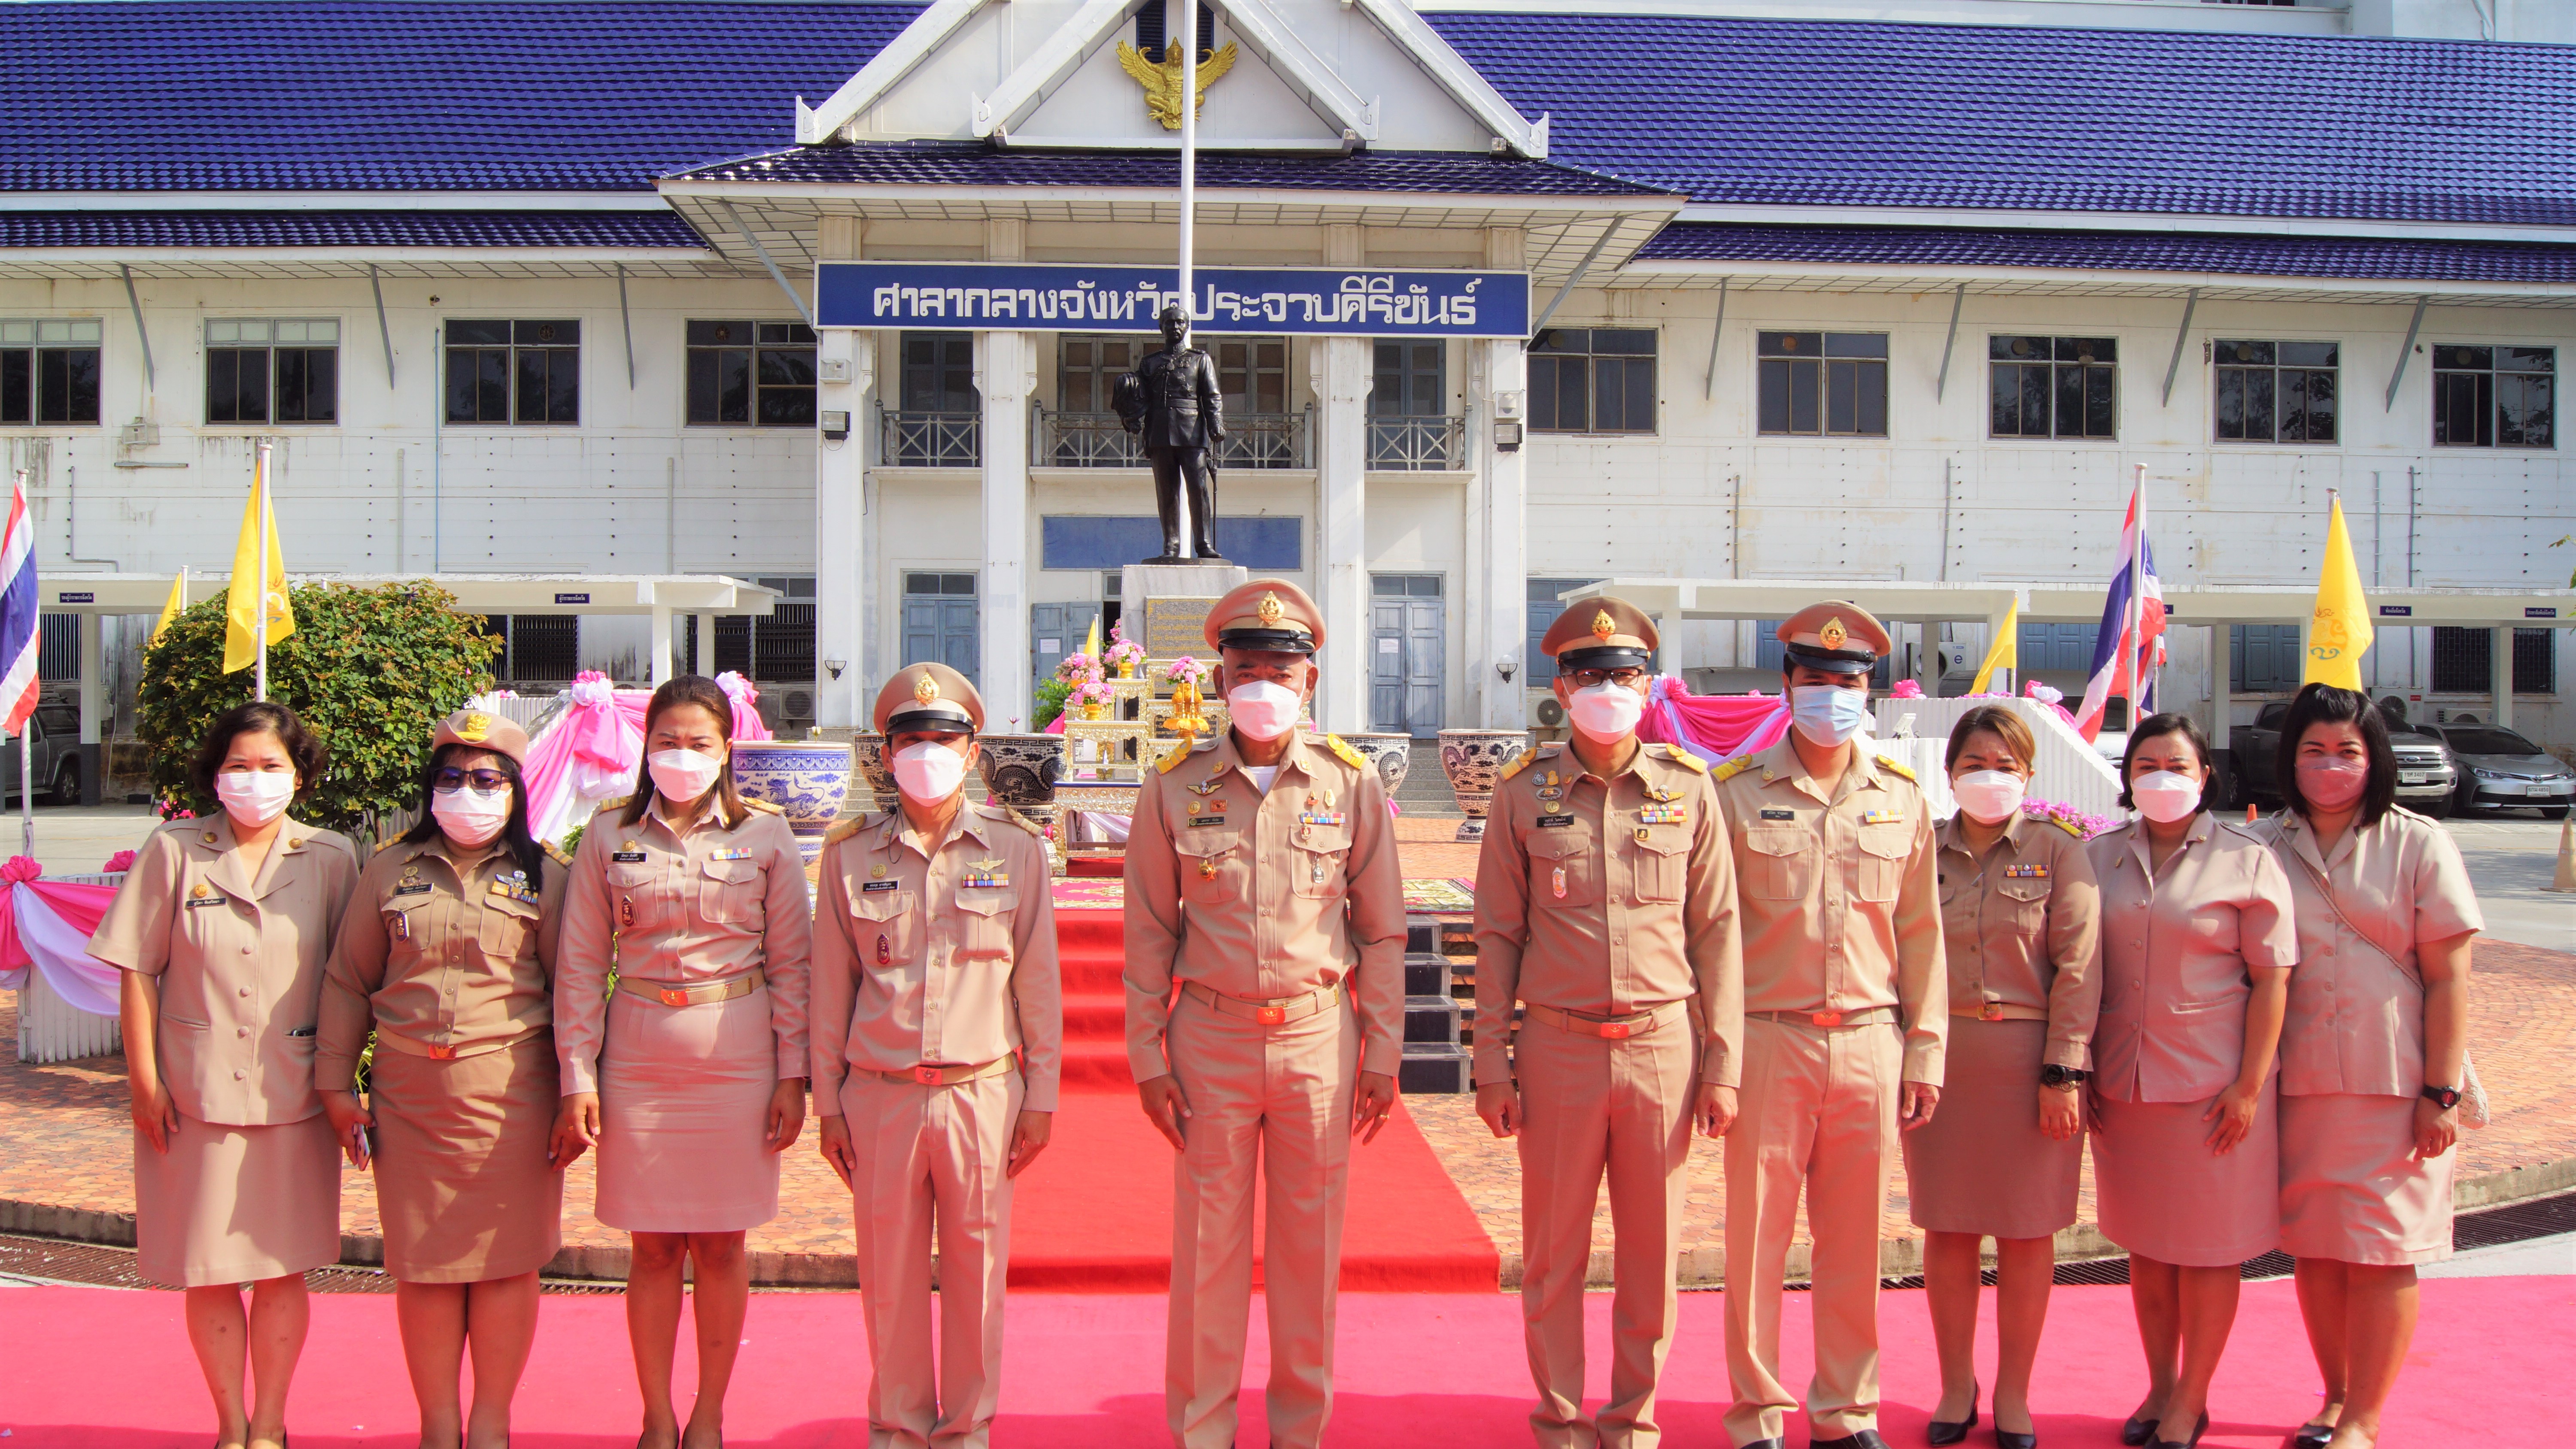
(2356,1018)
(937,953)
(1838,896)
(2019,932)
(2177,953)
(239,960)
(1264,896)
(686,907)
(1608,898)
(455,959)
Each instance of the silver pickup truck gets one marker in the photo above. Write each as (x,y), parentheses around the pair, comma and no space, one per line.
(54,735)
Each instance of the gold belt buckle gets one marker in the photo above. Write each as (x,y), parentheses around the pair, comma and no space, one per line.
(927,1076)
(1270,1015)
(1991,1011)
(1613,1030)
(673,996)
(442,1053)
(1825,1018)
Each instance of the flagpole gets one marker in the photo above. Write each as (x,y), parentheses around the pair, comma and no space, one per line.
(259,625)
(26,749)
(2139,686)
(1189,144)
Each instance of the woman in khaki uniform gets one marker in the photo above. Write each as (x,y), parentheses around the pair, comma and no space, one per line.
(690,1077)
(2373,1054)
(2001,1159)
(222,928)
(2197,945)
(449,957)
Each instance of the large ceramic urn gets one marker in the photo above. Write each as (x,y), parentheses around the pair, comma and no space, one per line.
(805,779)
(1391,755)
(1021,771)
(1474,760)
(869,749)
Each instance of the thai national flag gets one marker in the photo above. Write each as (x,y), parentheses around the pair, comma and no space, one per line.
(2131,644)
(18,626)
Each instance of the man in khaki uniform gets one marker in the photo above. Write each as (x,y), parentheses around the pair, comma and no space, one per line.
(1845,1011)
(1265,1013)
(1605,901)
(938,1027)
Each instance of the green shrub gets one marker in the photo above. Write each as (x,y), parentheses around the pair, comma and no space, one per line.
(1051,695)
(371,670)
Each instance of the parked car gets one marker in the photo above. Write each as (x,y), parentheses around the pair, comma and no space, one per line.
(2501,769)
(53,734)
(2427,776)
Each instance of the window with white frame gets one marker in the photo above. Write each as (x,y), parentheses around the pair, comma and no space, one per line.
(2054,387)
(514,372)
(755,374)
(2275,392)
(1822,383)
(272,370)
(1592,380)
(49,370)
(2494,397)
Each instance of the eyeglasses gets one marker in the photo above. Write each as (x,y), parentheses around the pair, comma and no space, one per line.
(1593,678)
(452,779)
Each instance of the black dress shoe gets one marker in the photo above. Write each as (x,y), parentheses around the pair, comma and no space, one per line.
(1865,1439)
(1945,1431)
(2312,1436)
(1768,1444)
(2007,1439)
(2191,1443)
(2137,1431)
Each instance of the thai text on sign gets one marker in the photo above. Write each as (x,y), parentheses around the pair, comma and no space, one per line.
(1321,301)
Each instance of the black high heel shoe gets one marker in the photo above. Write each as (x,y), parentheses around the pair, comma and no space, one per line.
(1943,1431)
(2007,1439)
(2191,1443)
(2312,1436)
(2137,1431)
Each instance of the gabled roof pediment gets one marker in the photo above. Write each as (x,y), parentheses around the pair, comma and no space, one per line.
(1297,75)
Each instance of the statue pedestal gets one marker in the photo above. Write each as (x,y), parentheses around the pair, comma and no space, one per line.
(1172,603)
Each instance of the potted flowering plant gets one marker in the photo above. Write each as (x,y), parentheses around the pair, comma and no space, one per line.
(1123,654)
(1092,696)
(1078,668)
(1184,675)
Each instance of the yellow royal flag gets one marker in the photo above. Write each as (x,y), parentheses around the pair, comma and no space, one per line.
(1091,641)
(241,622)
(2002,654)
(170,610)
(2340,633)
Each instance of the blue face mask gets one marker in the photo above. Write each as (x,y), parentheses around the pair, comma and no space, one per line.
(1827,714)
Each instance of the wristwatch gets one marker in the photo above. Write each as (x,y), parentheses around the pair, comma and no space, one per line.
(2443,1097)
(2054,1075)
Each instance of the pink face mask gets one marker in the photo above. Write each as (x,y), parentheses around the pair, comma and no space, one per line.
(2333,783)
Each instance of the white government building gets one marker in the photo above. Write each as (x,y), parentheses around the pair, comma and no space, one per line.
(1879,295)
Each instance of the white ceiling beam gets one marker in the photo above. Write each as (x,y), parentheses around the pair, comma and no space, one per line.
(1454,75)
(1266,33)
(911,46)
(1049,66)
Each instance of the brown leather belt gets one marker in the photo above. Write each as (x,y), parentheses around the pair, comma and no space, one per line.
(951,1076)
(1608,1028)
(1269,1013)
(444,1053)
(1862,1016)
(691,995)
(2003,1011)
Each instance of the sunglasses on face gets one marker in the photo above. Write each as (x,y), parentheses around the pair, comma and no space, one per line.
(452,779)
(1593,678)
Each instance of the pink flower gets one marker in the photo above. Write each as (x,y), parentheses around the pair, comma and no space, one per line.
(1906,689)
(20,868)
(122,860)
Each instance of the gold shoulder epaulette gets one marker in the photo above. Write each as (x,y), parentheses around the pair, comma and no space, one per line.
(1024,822)
(1343,752)
(620,803)
(1172,761)
(1685,759)
(1732,768)
(388,845)
(2069,826)
(1523,761)
(1906,771)
(560,855)
(763,806)
(843,830)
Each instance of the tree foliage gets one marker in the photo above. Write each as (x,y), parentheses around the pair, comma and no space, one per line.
(371,670)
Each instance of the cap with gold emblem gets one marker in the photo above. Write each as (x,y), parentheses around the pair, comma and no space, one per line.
(929,697)
(1837,638)
(480,730)
(1271,614)
(1603,633)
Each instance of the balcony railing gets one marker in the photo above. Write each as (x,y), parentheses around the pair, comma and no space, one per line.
(1421,444)
(930,440)
(1100,440)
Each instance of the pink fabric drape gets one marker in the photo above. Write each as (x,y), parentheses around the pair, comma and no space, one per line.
(44,925)
(747,723)
(1716,727)
(590,754)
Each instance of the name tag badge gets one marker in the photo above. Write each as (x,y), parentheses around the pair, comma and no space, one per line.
(196,901)
(2025,872)
(628,857)
(1555,822)
(1779,814)
(412,888)
(1207,820)
(880,885)
(1883,817)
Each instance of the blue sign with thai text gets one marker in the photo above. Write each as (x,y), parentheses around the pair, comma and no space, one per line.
(1313,301)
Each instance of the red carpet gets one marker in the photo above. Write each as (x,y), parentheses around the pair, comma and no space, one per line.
(1095,1214)
(93,1368)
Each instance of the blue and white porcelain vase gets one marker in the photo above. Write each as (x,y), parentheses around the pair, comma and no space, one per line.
(805,779)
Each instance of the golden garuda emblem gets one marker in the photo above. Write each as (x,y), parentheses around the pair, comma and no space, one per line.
(1162,79)
(1833,634)
(476,729)
(1269,609)
(925,689)
(1603,626)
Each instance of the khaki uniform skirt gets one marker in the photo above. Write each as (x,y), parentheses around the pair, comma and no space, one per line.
(462,1180)
(232,1205)
(2351,1186)
(2165,1195)
(684,1116)
(1981,1165)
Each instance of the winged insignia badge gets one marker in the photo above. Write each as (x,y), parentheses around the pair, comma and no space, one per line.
(1162,78)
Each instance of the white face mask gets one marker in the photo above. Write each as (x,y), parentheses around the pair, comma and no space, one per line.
(1989,797)
(684,775)
(1827,714)
(470,817)
(1606,713)
(255,797)
(1262,710)
(928,773)
(2164,796)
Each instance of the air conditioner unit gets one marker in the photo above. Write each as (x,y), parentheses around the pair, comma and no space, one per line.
(1550,712)
(797,706)
(1958,659)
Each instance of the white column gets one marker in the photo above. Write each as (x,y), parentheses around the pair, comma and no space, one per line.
(92,666)
(1340,370)
(1499,539)
(2500,672)
(703,660)
(659,652)
(840,517)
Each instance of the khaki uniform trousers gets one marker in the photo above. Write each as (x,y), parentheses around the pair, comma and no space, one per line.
(932,1157)
(1276,1099)
(1819,1109)
(1590,1106)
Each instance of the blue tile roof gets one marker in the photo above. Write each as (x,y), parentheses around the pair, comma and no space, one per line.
(1781,112)
(1914,247)
(436,95)
(971,163)
(348,229)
